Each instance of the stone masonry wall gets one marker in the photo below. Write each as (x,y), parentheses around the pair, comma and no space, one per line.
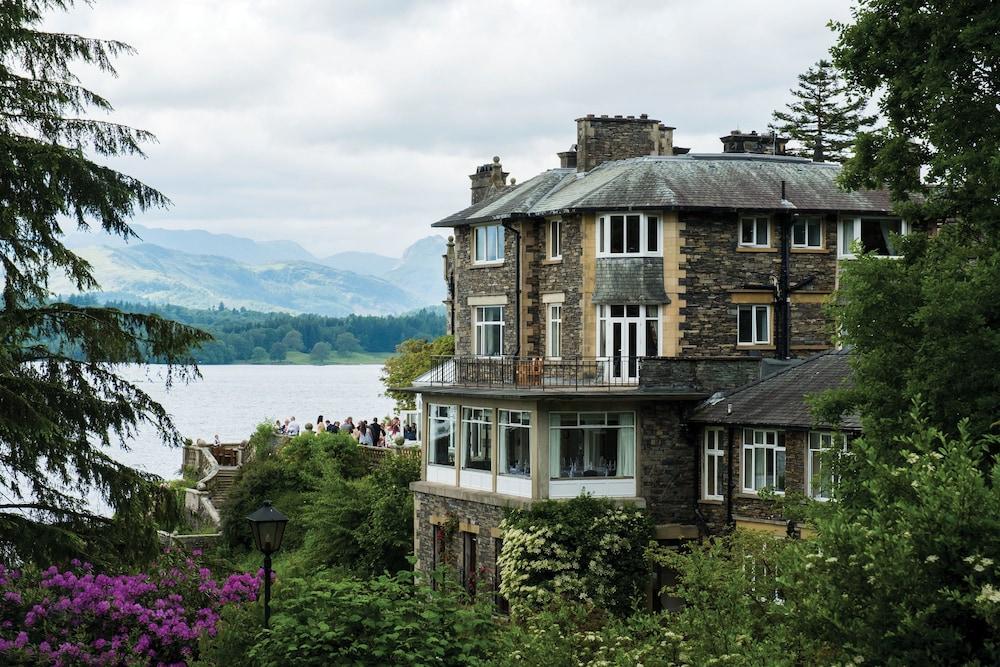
(544,276)
(715,268)
(482,515)
(667,463)
(749,506)
(473,280)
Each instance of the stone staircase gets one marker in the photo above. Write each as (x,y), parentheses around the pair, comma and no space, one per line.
(221,483)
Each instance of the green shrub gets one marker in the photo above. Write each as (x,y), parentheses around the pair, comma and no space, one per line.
(323,620)
(586,550)
(364,524)
(262,441)
(312,451)
(267,479)
(238,629)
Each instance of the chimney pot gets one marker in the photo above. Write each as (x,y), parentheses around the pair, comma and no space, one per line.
(644,116)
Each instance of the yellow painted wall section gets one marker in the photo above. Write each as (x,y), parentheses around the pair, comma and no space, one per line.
(588,346)
(673,272)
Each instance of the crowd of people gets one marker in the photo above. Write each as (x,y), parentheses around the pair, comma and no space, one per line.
(371,433)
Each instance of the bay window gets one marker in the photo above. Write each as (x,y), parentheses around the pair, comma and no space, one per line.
(488,243)
(712,464)
(873,234)
(591,444)
(476,439)
(755,231)
(628,234)
(515,443)
(489,331)
(753,325)
(763,460)
(807,231)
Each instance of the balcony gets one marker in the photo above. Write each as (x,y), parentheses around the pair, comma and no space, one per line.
(526,373)
(703,375)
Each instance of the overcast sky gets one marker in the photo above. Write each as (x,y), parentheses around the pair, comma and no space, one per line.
(353,124)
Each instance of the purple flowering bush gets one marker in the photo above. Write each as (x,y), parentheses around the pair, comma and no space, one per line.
(76,616)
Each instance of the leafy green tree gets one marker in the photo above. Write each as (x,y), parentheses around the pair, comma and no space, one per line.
(825,116)
(278,352)
(320,352)
(293,341)
(347,343)
(62,403)
(413,358)
(259,355)
(927,327)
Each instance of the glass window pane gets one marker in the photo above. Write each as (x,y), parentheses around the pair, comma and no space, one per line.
(746,230)
(499,250)
(618,311)
(632,233)
(814,240)
(747,467)
(779,465)
(652,338)
(600,235)
(652,233)
(617,234)
(759,468)
(745,324)
(762,229)
(846,236)
(491,243)
(480,244)
(762,328)
(632,310)
(799,233)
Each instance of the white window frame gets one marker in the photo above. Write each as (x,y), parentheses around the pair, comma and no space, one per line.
(604,318)
(854,225)
(587,420)
(506,420)
(446,414)
(753,309)
(829,439)
(754,241)
(554,234)
(807,221)
(603,234)
(483,417)
(712,460)
(753,449)
(480,252)
(553,337)
(480,325)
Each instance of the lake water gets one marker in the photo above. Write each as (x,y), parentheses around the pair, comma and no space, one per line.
(232,400)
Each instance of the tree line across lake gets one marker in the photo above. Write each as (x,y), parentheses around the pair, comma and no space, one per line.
(247,336)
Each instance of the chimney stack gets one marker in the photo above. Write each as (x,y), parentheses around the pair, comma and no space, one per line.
(602,139)
(488,180)
(567,159)
(751,142)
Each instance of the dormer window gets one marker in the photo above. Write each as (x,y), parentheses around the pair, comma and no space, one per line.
(755,231)
(487,244)
(628,235)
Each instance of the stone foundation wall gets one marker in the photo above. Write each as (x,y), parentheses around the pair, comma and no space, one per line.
(667,474)
(455,515)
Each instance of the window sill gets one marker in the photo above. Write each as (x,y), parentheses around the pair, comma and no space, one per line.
(549,261)
(627,255)
(754,346)
(485,265)
(747,248)
(810,251)
(711,501)
(752,495)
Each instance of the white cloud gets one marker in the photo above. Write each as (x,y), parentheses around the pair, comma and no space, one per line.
(354,124)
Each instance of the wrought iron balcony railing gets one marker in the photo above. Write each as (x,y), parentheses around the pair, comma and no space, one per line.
(574,373)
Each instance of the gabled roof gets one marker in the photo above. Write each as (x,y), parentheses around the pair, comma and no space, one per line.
(695,181)
(780,399)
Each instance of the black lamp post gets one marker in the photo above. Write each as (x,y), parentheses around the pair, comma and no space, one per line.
(268,526)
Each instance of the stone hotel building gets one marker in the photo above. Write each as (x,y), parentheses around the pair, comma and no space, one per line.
(613,320)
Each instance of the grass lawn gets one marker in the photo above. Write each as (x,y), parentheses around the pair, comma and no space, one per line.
(303,359)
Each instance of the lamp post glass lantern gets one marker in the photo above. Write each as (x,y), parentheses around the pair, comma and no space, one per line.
(268,527)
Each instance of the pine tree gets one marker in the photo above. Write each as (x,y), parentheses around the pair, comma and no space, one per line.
(825,116)
(64,404)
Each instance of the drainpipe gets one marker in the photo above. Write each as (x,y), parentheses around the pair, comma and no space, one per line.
(729,476)
(517,288)
(783,307)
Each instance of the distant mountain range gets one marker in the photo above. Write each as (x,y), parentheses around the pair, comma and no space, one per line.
(199,269)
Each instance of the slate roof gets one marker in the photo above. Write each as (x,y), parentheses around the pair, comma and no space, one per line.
(694,181)
(779,400)
(629,280)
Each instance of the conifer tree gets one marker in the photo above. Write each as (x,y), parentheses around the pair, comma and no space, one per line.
(825,116)
(64,404)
